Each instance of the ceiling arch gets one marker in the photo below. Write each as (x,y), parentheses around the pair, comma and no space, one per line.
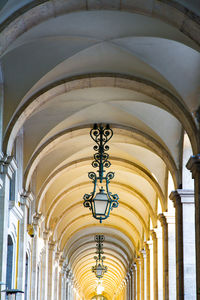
(165,99)
(35,13)
(134,133)
(130,190)
(121,162)
(90,232)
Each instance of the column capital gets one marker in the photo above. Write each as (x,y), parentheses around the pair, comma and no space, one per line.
(131,270)
(170,218)
(128,275)
(46,235)
(163,220)
(26,198)
(146,245)
(8,165)
(180,196)
(37,219)
(58,254)
(158,232)
(61,261)
(51,246)
(149,243)
(133,267)
(193,165)
(153,234)
(175,197)
(143,252)
(138,260)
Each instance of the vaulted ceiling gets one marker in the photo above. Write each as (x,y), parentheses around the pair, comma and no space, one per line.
(65,73)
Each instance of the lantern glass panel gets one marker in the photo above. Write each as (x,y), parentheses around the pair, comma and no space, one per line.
(101,203)
(99,271)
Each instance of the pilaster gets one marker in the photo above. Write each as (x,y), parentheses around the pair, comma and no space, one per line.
(132,282)
(7,168)
(44,270)
(164,225)
(56,277)
(194,166)
(170,219)
(185,241)
(155,265)
(135,281)
(127,287)
(37,218)
(143,274)
(25,200)
(138,263)
(51,252)
(147,271)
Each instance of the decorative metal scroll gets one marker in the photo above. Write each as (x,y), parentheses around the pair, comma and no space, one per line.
(101,135)
(99,269)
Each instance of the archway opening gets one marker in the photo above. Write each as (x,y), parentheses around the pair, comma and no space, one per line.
(9,273)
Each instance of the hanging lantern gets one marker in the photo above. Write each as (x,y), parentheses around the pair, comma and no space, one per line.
(102,202)
(99,269)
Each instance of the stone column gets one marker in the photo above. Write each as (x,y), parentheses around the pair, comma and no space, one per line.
(25,201)
(163,222)
(72,290)
(155,265)
(67,289)
(44,271)
(135,281)
(7,168)
(171,254)
(194,166)
(132,282)
(124,289)
(51,253)
(141,278)
(34,258)
(56,278)
(127,287)
(61,274)
(63,283)
(68,286)
(147,271)
(158,232)
(184,204)
(138,263)
(143,274)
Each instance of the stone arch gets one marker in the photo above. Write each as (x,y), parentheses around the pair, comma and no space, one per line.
(164,98)
(35,13)
(132,191)
(129,165)
(148,141)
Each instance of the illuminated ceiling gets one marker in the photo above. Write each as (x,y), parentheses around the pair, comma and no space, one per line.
(66,73)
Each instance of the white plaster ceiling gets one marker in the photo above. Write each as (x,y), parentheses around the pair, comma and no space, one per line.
(57,147)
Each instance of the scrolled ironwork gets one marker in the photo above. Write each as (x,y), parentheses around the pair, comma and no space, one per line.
(99,269)
(97,201)
(101,136)
(110,176)
(92,176)
(99,238)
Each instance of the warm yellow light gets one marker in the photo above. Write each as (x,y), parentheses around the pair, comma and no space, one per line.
(100,288)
